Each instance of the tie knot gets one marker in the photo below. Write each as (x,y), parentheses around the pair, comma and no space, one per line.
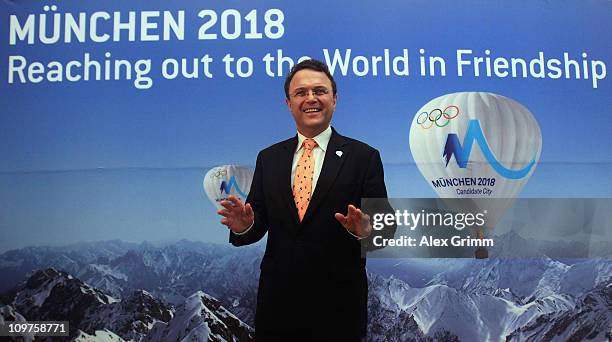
(309,144)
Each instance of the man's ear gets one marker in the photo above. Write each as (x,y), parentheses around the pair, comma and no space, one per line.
(288,103)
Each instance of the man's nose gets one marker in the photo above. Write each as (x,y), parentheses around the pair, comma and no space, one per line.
(311,96)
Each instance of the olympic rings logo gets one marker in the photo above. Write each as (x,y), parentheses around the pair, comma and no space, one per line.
(427,120)
(220,174)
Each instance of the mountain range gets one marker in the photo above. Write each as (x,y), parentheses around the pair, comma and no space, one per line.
(186,290)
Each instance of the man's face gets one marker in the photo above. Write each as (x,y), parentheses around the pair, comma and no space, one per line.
(311,101)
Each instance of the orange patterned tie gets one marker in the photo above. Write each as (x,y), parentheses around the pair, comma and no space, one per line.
(302,184)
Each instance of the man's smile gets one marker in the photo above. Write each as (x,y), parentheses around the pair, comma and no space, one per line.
(312,110)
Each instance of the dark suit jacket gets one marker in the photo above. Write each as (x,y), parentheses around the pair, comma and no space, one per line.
(312,273)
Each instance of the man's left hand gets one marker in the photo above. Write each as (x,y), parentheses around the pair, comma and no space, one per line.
(355,221)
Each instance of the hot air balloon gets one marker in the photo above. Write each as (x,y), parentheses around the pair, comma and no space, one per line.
(223,181)
(476,146)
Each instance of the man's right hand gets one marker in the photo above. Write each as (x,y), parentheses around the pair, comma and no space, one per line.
(236,216)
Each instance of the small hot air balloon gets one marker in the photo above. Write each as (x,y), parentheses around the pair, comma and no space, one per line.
(223,181)
(475,146)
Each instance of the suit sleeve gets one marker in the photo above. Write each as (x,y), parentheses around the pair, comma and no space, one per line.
(257,201)
(374,185)
(374,199)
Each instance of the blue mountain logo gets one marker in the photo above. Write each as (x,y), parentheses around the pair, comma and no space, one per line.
(462,153)
(227,187)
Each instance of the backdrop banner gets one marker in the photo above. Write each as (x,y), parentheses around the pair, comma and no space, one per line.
(124,123)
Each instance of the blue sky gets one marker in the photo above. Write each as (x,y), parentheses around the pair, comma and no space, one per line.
(132,160)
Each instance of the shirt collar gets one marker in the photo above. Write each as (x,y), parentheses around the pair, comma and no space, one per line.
(322,139)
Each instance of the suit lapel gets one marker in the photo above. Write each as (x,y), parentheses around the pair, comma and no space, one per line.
(331,165)
(285,181)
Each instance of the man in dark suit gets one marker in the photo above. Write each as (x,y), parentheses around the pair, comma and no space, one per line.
(305,193)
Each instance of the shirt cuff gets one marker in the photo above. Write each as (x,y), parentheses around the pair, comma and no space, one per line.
(246,230)
(355,235)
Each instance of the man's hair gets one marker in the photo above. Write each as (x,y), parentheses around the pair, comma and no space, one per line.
(311,64)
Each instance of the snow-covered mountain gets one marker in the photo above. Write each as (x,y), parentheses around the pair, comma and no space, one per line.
(387,321)
(9,314)
(50,294)
(467,300)
(131,318)
(172,272)
(201,318)
(525,277)
(438,312)
(17,264)
(528,278)
(589,320)
(529,298)
(98,336)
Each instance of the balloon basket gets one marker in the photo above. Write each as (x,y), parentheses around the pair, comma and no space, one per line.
(481,253)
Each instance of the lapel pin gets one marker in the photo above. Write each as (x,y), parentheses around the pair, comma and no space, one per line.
(339,153)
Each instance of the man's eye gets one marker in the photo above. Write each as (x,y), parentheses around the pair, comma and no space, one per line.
(320,92)
(300,93)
